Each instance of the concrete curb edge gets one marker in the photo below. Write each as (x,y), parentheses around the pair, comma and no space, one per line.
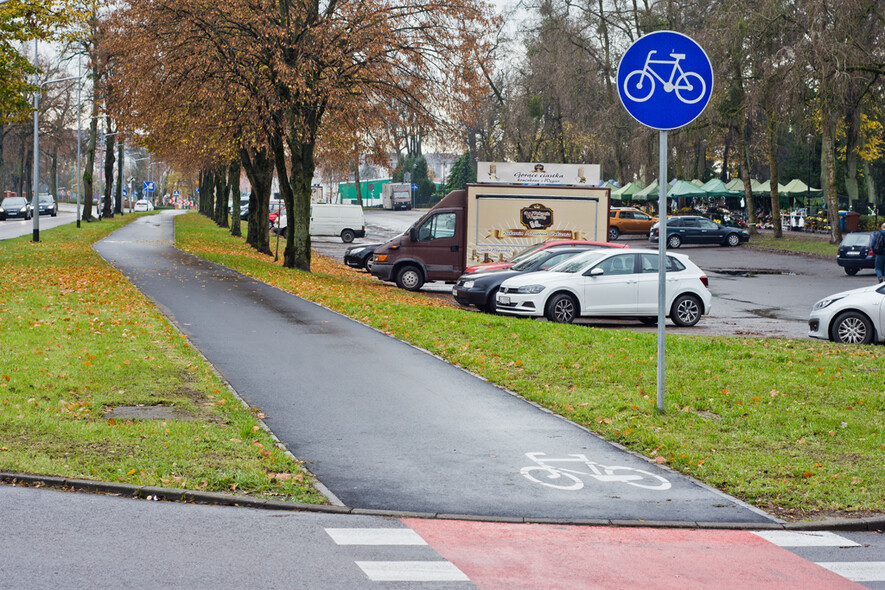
(876,523)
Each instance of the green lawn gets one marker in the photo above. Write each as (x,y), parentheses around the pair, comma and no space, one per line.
(76,341)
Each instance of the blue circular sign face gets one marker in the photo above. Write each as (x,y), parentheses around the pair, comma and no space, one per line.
(665,80)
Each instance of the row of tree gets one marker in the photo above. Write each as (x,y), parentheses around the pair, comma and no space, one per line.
(784,70)
(270,86)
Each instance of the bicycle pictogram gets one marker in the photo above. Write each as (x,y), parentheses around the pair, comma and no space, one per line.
(568,479)
(639,85)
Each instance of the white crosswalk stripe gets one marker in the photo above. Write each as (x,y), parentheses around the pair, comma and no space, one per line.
(375,537)
(806,539)
(412,571)
(396,571)
(856,571)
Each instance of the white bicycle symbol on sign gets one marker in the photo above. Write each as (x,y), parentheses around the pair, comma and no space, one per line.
(686,84)
(567,479)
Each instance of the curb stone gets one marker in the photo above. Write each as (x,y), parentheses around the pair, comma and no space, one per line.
(875,523)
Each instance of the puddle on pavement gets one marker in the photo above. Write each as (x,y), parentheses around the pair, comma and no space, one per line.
(749,273)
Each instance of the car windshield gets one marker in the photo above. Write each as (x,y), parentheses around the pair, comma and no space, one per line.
(856,239)
(522,255)
(45,198)
(531,259)
(580,262)
(14,202)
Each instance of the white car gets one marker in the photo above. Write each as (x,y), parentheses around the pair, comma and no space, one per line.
(609,283)
(851,317)
(143,205)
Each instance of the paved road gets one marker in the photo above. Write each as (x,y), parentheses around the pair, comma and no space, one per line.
(53,539)
(387,426)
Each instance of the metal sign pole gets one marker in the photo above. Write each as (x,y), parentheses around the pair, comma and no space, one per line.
(662,262)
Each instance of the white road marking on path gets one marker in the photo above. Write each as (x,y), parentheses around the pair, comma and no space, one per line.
(805,539)
(397,571)
(375,537)
(412,571)
(858,571)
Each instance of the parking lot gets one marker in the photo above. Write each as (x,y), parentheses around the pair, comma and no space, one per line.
(755,292)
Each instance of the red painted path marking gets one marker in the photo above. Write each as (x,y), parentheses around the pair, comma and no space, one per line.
(552,557)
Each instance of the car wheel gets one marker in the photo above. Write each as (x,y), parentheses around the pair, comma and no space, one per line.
(733,240)
(674,242)
(851,270)
(491,305)
(409,278)
(370,262)
(562,309)
(852,327)
(613,234)
(347,236)
(686,311)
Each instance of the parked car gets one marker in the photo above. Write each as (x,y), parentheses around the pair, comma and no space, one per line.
(609,283)
(479,289)
(360,256)
(15,207)
(691,229)
(627,220)
(143,205)
(47,205)
(850,317)
(534,248)
(856,252)
(346,221)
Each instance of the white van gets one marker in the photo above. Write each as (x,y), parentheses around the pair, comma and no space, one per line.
(346,221)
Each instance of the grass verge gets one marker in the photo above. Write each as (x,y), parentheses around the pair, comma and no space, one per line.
(798,242)
(77,340)
(792,426)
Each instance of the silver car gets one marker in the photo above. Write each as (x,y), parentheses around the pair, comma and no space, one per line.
(851,317)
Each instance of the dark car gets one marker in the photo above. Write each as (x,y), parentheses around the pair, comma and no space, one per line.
(692,229)
(15,207)
(360,256)
(479,289)
(47,205)
(856,252)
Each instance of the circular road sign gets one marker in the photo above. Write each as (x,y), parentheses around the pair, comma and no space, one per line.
(665,80)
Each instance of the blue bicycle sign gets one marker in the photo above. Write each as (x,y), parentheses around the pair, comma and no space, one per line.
(665,80)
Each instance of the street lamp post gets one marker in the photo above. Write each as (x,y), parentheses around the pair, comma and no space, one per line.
(35,183)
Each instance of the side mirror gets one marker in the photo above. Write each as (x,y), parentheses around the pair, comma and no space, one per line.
(413,234)
(595,272)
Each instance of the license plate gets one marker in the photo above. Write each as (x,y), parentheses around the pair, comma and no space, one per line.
(503,300)
(853,253)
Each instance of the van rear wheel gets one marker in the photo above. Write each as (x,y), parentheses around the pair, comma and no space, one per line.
(347,236)
(409,278)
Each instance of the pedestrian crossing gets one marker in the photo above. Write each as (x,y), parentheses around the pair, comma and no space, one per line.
(436,570)
(856,571)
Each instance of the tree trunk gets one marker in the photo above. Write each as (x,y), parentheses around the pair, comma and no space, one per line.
(829,186)
(107,207)
(870,184)
(356,176)
(852,123)
(53,172)
(259,166)
(88,187)
(118,197)
(233,180)
(772,168)
(744,140)
(221,193)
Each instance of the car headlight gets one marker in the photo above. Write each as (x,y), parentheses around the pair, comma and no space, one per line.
(825,302)
(468,284)
(24,209)
(531,289)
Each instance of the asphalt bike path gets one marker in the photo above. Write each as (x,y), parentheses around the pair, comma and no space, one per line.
(386,426)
